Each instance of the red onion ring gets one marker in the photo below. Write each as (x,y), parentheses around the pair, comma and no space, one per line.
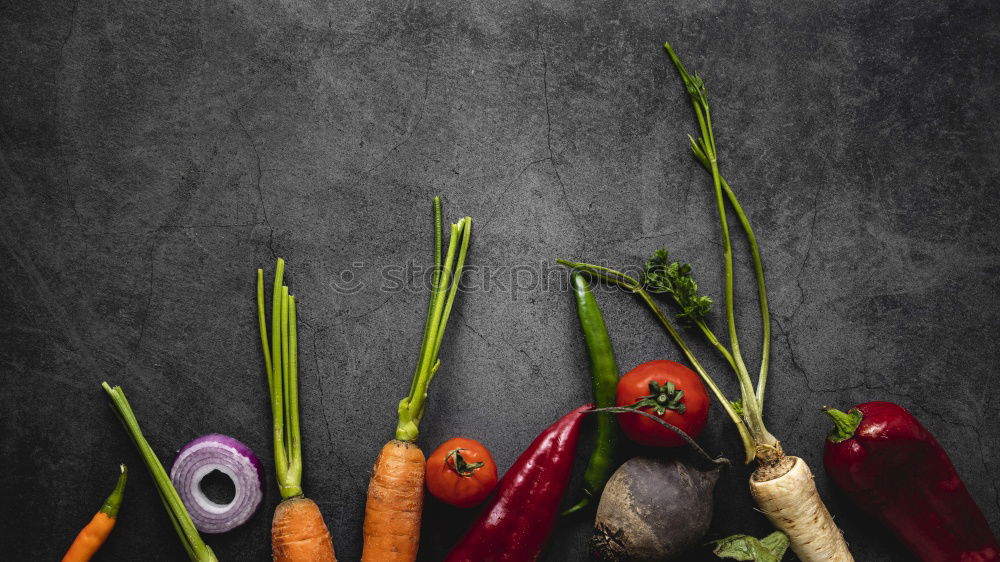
(229,456)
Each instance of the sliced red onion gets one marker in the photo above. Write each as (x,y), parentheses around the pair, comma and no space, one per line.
(198,459)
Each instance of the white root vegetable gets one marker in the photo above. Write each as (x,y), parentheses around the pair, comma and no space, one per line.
(793,505)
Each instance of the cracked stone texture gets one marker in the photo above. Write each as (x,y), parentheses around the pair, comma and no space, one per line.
(155,153)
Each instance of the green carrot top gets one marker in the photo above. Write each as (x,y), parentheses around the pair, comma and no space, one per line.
(444,285)
(282,366)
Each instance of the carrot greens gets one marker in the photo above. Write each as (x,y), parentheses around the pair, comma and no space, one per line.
(282,366)
(444,286)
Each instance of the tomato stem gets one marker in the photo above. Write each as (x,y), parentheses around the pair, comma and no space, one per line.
(662,398)
(680,432)
(844,423)
(457,462)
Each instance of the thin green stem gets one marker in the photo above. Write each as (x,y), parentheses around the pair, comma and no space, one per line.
(465,230)
(708,146)
(286,369)
(435,281)
(721,461)
(262,321)
(275,383)
(429,350)
(292,396)
(712,339)
(437,240)
(752,401)
(193,544)
(699,101)
(758,268)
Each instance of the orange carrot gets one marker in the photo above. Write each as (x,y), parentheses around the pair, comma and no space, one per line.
(96,532)
(298,532)
(395,502)
(396,489)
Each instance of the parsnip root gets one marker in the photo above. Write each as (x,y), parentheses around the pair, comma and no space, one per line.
(793,505)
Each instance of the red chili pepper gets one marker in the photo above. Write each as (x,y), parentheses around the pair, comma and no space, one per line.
(518,520)
(895,470)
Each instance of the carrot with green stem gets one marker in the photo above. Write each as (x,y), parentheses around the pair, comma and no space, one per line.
(396,489)
(91,537)
(196,548)
(782,485)
(298,531)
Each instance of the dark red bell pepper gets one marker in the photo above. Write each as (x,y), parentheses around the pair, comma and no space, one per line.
(895,470)
(517,522)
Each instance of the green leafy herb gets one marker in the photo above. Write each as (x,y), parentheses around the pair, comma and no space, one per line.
(674,278)
(771,548)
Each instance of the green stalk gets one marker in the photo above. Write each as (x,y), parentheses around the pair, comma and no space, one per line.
(287,372)
(292,396)
(196,548)
(631,284)
(454,286)
(281,365)
(435,280)
(712,339)
(758,268)
(445,281)
(752,400)
(699,101)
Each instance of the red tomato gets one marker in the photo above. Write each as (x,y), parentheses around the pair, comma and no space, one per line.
(669,390)
(461,472)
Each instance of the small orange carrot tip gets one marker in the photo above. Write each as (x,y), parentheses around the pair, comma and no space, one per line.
(196,548)
(96,532)
(396,488)
(298,532)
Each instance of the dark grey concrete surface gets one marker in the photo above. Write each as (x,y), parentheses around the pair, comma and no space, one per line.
(153,154)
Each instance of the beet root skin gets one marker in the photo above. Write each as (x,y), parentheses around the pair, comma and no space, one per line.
(652,509)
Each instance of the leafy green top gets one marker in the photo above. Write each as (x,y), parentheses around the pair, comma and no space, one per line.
(444,286)
(771,548)
(674,278)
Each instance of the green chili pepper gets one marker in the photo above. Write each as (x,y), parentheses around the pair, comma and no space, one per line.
(604,377)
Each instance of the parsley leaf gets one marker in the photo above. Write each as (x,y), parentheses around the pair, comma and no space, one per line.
(674,278)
